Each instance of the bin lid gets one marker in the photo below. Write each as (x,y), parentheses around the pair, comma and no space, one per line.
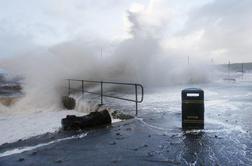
(192,90)
(198,91)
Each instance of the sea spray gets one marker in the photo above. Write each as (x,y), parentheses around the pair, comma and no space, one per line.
(141,58)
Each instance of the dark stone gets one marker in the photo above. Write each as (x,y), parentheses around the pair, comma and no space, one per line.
(21,159)
(34,153)
(58,161)
(115,161)
(120,115)
(129,129)
(135,149)
(94,119)
(68,102)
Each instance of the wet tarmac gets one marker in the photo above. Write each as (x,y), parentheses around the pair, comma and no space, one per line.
(155,137)
(130,143)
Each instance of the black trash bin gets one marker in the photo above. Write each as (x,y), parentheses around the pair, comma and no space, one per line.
(192,108)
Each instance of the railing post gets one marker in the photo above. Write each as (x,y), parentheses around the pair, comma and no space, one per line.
(69,89)
(136,99)
(82,87)
(101,93)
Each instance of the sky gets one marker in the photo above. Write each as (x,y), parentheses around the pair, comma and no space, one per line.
(215,30)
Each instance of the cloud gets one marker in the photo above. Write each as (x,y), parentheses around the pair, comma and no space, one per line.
(140,58)
(49,22)
(226,25)
(202,28)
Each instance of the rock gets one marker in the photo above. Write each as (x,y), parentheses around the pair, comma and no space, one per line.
(120,115)
(94,119)
(68,102)
(115,161)
(21,159)
(58,161)
(173,136)
(34,153)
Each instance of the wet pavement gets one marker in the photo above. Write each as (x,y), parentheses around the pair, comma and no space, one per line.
(155,137)
(131,143)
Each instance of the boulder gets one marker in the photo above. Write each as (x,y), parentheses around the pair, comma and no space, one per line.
(68,102)
(120,115)
(94,119)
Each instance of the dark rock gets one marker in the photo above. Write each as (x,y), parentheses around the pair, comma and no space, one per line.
(21,159)
(120,115)
(115,161)
(94,119)
(58,161)
(173,136)
(135,149)
(34,153)
(68,102)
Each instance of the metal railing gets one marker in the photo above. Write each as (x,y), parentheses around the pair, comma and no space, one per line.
(101,93)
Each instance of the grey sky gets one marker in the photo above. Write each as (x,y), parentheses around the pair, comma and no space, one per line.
(218,30)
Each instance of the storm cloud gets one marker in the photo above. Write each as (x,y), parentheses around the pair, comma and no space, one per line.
(218,30)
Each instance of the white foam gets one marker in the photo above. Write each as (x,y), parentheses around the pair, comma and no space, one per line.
(23,125)
(227,127)
(29,148)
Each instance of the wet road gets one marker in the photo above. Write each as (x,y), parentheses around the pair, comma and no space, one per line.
(155,137)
